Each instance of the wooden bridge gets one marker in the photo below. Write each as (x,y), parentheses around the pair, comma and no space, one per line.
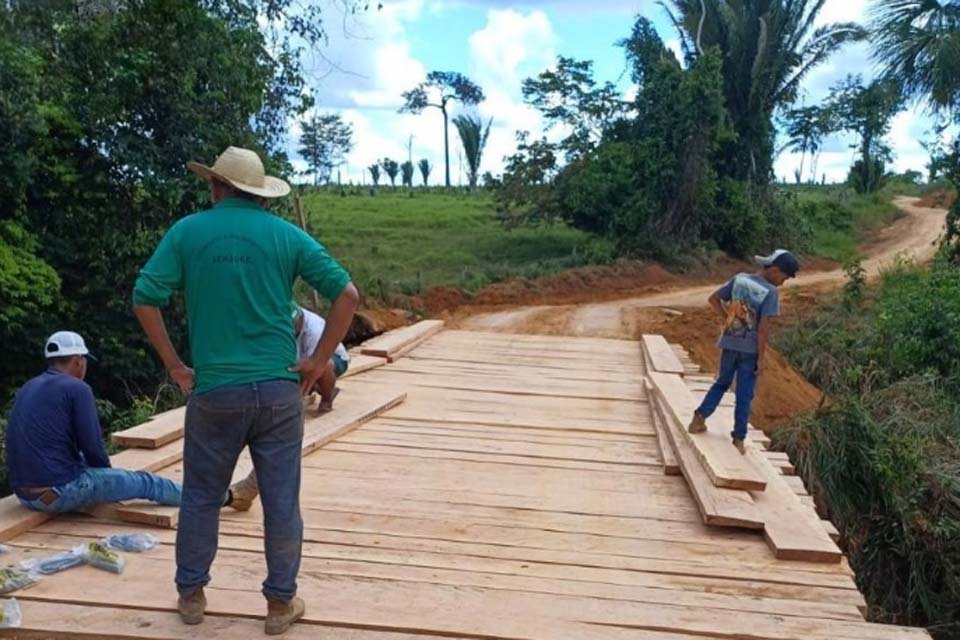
(489,486)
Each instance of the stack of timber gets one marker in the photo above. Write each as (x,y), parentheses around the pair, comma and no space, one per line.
(395,344)
(755,491)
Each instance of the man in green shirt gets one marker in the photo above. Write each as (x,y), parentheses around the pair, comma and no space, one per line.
(236,264)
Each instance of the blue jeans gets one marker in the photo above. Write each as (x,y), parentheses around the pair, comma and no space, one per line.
(743,366)
(99,485)
(267,417)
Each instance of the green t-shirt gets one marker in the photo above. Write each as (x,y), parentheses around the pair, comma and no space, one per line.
(236,264)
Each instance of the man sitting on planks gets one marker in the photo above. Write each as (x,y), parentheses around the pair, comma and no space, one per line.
(236,264)
(308,327)
(56,460)
(745,303)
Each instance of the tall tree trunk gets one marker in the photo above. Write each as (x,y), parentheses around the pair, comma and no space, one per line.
(446,142)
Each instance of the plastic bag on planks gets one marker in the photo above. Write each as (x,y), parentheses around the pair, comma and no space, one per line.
(10,615)
(131,542)
(16,579)
(98,555)
(52,564)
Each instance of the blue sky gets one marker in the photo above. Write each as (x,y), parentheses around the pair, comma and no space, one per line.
(370,60)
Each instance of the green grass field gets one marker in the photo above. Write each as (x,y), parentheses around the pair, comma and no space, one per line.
(840,219)
(404,242)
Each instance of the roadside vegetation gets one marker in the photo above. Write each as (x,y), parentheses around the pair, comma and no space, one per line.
(884,456)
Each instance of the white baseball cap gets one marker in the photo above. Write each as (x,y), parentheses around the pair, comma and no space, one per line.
(66,343)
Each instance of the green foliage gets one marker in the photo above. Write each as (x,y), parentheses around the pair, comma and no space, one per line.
(425,168)
(437,91)
(374,170)
(917,42)
(406,173)
(867,111)
(28,285)
(767,48)
(832,221)
(806,128)
(885,456)
(568,95)
(473,139)
(391,168)
(98,115)
(403,243)
(325,140)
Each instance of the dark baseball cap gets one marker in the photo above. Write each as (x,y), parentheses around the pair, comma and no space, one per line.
(783,260)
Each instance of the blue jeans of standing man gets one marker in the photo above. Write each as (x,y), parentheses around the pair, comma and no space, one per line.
(100,485)
(267,417)
(743,367)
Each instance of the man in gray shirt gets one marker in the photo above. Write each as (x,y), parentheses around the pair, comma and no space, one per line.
(745,302)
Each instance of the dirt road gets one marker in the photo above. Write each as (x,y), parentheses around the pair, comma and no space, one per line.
(912,236)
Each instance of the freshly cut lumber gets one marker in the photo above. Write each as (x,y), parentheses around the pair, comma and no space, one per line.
(718,506)
(796,485)
(355,405)
(360,363)
(670,465)
(16,519)
(391,344)
(831,530)
(792,528)
(725,466)
(159,430)
(661,355)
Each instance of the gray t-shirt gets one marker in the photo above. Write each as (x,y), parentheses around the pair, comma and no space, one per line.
(750,298)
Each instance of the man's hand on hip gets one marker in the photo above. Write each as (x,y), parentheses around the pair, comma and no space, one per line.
(183,376)
(310,370)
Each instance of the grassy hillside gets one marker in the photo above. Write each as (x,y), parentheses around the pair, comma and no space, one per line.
(839,218)
(403,242)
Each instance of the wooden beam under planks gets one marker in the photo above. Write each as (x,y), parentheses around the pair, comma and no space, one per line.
(725,466)
(393,344)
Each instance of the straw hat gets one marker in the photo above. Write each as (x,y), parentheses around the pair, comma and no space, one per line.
(242,169)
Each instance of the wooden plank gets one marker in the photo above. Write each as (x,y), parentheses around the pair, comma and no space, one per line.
(408,605)
(355,406)
(796,485)
(792,529)
(725,466)
(360,363)
(389,344)
(161,429)
(50,619)
(718,506)
(16,519)
(670,465)
(661,355)
(831,530)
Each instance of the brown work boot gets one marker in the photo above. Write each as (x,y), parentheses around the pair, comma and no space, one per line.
(192,607)
(244,492)
(698,424)
(739,444)
(281,614)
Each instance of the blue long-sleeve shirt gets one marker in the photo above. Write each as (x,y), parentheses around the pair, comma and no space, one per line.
(53,432)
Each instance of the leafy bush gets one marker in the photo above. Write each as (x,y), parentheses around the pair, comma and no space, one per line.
(885,455)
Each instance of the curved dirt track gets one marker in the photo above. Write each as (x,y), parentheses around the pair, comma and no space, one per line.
(913,236)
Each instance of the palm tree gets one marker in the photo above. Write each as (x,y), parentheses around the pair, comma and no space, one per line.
(768,47)
(473,139)
(918,43)
(425,168)
(374,170)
